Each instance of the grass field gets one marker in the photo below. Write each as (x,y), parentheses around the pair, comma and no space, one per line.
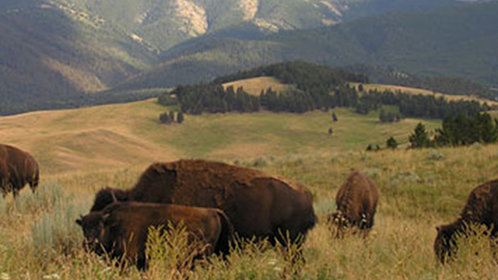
(117,136)
(83,150)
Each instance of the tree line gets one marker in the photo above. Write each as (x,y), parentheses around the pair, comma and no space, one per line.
(457,130)
(313,87)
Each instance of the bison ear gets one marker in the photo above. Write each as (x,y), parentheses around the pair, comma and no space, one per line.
(79,222)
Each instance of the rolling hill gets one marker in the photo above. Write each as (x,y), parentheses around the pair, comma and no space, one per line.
(254,86)
(115,136)
(49,54)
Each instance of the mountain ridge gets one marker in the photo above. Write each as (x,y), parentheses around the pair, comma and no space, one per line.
(431,43)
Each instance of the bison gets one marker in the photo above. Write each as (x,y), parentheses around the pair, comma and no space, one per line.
(481,209)
(257,204)
(17,168)
(120,230)
(356,203)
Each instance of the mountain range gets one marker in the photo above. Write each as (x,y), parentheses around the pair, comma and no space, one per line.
(59,51)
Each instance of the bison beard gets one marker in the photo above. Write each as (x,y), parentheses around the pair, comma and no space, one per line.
(17,168)
(120,230)
(356,203)
(481,209)
(257,204)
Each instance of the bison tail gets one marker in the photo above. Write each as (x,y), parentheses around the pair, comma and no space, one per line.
(226,235)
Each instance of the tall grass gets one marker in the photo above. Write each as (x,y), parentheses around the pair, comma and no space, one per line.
(419,189)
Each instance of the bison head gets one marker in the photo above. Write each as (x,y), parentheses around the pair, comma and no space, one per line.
(445,243)
(96,233)
(107,196)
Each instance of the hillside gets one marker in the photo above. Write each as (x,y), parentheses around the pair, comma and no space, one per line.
(455,42)
(165,23)
(113,136)
(49,55)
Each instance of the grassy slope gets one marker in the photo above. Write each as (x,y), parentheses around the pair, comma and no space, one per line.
(110,145)
(110,136)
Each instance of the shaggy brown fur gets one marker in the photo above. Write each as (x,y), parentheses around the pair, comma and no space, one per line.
(17,168)
(356,203)
(257,204)
(481,208)
(121,228)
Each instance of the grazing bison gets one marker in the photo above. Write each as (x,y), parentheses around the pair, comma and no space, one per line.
(356,203)
(257,204)
(17,168)
(481,208)
(121,229)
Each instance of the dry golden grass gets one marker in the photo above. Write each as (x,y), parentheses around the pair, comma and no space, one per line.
(411,90)
(122,135)
(81,151)
(254,86)
(38,236)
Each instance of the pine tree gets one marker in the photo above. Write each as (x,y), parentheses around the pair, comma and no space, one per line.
(419,138)
(391,143)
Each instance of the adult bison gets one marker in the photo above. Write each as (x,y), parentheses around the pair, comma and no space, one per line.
(481,209)
(121,229)
(356,203)
(17,168)
(256,203)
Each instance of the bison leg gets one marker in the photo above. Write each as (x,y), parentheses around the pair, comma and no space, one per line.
(15,192)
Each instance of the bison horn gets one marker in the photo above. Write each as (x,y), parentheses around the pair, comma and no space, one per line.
(105,217)
(114,199)
(80,220)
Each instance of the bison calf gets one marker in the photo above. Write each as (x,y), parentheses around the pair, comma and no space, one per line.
(121,229)
(356,203)
(17,168)
(481,209)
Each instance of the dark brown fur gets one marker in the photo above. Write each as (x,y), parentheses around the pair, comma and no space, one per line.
(356,203)
(257,204)
(481,209)
(121,228)
(17,168)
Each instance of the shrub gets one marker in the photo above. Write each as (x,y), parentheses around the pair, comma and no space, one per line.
(170,252)
(56,232)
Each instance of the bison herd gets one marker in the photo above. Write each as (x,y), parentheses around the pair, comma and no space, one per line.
(215,202)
